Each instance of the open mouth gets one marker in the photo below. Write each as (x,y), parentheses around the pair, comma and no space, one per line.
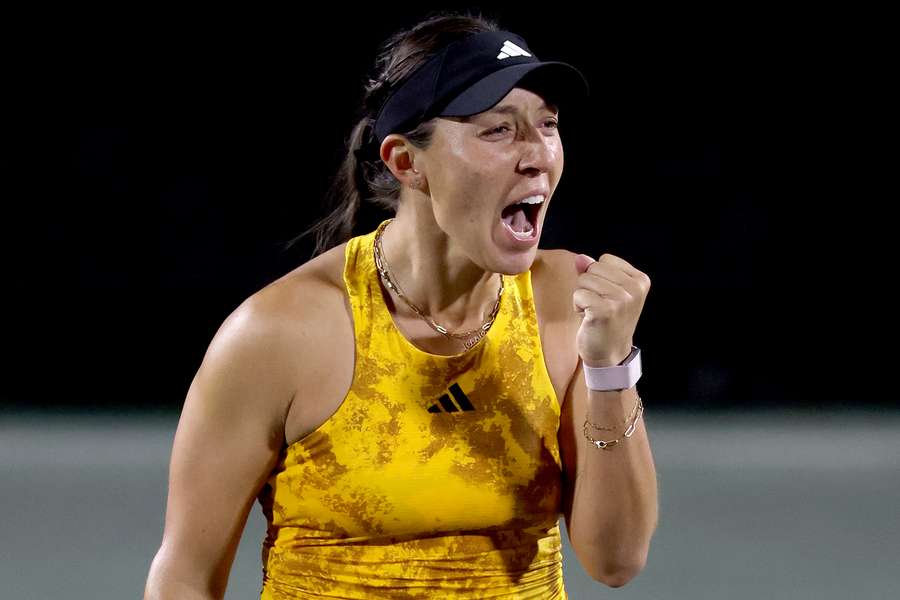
(521,217)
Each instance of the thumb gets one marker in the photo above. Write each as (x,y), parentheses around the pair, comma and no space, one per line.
(582,262)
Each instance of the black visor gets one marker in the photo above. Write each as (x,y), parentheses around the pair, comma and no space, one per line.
(470,76)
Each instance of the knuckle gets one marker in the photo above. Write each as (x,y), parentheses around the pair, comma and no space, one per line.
(644,281)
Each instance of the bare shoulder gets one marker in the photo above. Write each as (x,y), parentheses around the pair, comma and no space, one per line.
(301,306)
(310,307)
(306,291)
(554,278)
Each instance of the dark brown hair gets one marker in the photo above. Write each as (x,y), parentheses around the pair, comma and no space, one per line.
(398,57)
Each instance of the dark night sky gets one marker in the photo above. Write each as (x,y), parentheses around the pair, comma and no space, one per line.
(152,167)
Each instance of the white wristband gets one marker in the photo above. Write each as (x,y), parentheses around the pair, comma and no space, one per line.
(619,377)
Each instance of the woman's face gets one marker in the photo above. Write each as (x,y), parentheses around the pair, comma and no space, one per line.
(478,165)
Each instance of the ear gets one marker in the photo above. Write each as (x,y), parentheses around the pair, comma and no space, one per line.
(399,156)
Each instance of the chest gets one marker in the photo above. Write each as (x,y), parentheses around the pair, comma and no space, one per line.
(336,356)
(557,341)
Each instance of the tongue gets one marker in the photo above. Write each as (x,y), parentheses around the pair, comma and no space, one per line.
(517,220)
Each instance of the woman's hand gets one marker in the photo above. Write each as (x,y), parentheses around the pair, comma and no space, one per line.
(610,295)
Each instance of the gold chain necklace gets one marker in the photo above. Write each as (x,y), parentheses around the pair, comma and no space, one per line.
(471,337)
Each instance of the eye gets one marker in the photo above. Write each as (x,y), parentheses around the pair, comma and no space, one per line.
(497,129)
(552,123)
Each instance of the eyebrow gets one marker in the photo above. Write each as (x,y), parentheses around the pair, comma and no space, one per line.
(510,109)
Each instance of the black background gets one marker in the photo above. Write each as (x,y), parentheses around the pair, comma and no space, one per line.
(154,164)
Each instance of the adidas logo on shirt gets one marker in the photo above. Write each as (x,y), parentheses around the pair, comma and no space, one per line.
(447,404)
(510,49)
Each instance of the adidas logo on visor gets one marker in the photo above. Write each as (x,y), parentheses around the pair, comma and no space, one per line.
(510,49)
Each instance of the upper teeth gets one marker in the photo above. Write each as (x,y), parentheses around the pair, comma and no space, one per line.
(532,200)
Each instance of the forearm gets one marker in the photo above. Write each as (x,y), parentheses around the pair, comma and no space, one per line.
(615,504)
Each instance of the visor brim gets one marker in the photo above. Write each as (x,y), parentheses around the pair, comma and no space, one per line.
(559,83)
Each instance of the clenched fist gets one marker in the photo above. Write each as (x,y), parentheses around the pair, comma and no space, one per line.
(610,295)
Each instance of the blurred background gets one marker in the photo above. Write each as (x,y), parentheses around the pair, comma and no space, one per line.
(154,166)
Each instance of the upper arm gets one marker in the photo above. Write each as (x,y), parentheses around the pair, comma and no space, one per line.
(560,265)
(228,439)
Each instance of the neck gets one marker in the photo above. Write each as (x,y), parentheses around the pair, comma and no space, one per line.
(433,273)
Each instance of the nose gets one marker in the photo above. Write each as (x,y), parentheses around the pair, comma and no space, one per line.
(539,152)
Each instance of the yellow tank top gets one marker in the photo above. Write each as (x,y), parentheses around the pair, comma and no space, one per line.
(437,477)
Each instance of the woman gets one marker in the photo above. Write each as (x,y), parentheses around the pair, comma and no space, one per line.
(407,406)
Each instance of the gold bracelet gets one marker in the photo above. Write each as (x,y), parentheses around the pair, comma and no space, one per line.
(624,422)
(607,444)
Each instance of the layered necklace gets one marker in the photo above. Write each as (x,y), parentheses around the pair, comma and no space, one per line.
(469,338)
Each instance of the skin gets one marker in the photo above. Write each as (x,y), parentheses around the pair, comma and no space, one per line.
(282,362)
